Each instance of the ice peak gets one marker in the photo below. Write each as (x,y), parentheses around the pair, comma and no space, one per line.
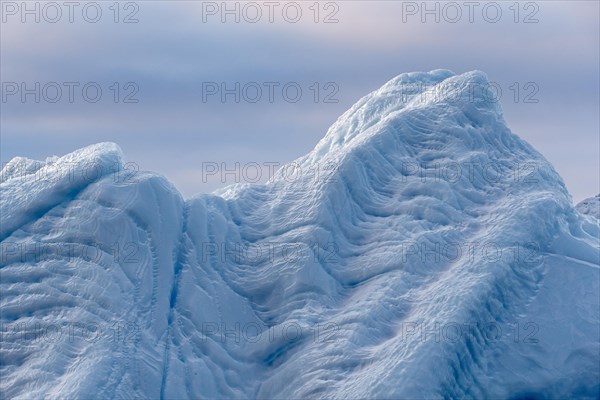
(37,186)
(590,206)
(425,78)
(433,95)
(103,153)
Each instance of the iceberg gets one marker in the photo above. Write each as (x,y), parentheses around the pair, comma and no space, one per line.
(590,206)
(421,250)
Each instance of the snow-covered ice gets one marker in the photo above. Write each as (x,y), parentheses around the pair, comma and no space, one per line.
(421,250)
(590,206)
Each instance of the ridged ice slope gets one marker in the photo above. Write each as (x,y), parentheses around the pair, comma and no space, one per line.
(421,250)
(590,206)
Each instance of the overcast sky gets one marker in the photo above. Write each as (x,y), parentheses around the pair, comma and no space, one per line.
(172,56)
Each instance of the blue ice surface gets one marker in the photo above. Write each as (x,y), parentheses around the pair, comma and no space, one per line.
(436,255)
